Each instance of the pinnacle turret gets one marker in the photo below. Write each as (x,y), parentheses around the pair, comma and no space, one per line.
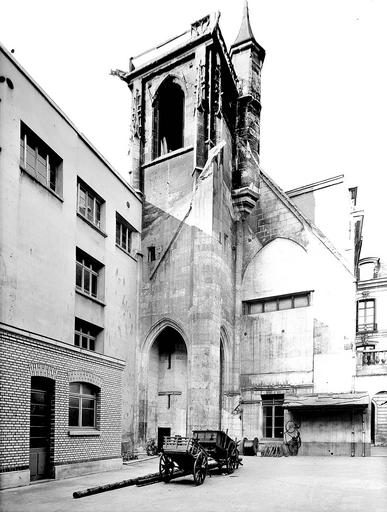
(245,32)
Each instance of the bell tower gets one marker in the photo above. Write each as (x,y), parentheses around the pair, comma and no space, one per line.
(184,94)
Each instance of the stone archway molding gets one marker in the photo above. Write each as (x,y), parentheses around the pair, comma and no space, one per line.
(43,370)
(84,376)
(157,328)
(227,354)
(264,246)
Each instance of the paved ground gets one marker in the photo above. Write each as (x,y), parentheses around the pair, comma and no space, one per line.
(313,484)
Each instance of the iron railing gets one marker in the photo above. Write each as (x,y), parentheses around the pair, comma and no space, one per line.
(371,357)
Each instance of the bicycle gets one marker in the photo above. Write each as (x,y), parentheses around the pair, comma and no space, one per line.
(292,440)
(151,448)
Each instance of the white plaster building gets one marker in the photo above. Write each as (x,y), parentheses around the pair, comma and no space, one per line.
(69,232)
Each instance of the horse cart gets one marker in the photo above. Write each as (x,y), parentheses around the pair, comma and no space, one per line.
(183,454)
(220,447)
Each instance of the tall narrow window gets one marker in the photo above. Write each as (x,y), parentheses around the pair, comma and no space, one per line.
(89,204)
(366,315)
(39,160)
(273,416)
(168,119)
(123,234)
(151,253)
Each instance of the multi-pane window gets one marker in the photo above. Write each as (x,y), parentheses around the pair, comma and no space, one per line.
(38,159)
(297,300)
(123,234)
(87,274)
(89,204)
(366,315)
(85,334)
(82,405)
(273,416)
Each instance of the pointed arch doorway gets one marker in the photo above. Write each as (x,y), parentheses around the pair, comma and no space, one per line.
(167,385)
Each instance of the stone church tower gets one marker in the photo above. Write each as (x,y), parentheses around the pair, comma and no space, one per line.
(195,148)
(232,320)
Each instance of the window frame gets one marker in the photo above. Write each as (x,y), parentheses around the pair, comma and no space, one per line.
(363,327)
(273,403)
(81,396)
(92,267)
(151,254)
(89,332)
(122,224)
(91,197)
(264,302)
(32,144)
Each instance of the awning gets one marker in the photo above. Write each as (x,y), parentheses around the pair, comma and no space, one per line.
(326,400)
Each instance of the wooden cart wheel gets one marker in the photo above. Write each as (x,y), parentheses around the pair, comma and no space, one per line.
(231,460)
(200,468)
(236,458)
(166,468)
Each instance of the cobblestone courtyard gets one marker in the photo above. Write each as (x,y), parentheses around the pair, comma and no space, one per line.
(266,484)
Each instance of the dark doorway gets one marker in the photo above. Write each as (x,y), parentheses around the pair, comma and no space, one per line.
(40,427)
(373,423)
(221,382)
(161,433)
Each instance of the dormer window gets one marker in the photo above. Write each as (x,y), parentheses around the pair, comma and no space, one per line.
(168,119)
(368,269)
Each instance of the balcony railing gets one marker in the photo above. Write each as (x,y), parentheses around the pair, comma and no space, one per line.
(368,358)
(363,328)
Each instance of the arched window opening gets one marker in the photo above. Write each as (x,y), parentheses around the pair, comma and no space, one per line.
(83,405)
(168,125)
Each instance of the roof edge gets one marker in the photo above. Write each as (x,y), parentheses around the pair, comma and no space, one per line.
(68,121)
(317,185)
(301,217)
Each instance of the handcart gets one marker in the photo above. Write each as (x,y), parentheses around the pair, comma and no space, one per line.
(184,454)
(220,447)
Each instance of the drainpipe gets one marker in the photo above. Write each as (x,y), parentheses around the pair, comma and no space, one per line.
(353,434)
(363,433)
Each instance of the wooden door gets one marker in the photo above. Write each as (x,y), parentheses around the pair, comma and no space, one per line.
(40,427)
(161,433)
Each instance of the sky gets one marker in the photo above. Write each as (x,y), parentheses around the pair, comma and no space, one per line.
(324,80)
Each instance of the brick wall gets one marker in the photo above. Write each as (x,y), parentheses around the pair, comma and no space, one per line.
(22,357)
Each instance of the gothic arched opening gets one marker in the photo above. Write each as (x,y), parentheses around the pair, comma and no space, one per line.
(167,386)
(221,382)
(168,119)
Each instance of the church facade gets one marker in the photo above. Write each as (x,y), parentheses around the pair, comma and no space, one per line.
(198,296)
(246,315)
